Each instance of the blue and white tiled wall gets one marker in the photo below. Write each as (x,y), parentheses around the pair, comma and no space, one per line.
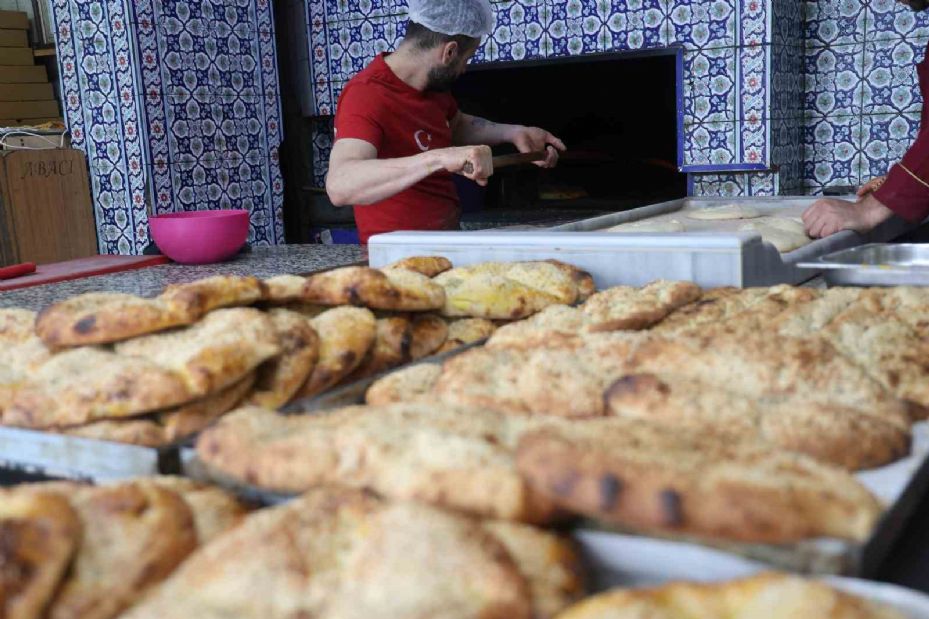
(862,99)
(177,105)
(176,102)
(726,49)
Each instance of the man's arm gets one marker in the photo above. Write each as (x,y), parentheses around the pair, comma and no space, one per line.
(357,177)
(830,215)
(467,129)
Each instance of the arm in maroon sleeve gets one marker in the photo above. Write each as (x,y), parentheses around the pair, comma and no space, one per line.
(906,190)
(904,193)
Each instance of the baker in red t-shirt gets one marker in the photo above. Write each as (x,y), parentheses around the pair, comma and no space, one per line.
(903,192)
(399,133)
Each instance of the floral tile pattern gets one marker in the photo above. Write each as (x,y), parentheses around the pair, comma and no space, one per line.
(176,104)
(860,115)
(726,47)
(95,60)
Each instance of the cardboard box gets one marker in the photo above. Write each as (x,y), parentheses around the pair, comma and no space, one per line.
(15,20)
(27,92)
(16,56)
(28,109)
(23,75)
(13,38)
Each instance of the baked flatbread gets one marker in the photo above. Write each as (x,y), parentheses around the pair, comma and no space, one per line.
(393,289)
(134,536)
(451,457)
(201,297)
(213,354)
(280,378)
(346,334)
(405,385)
(430,266)
(766,596)
(88,384)
(167,427)
(105,317)
(40,534)
(649,477)
(345,554)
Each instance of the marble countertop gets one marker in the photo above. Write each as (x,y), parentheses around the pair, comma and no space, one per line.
(261,262)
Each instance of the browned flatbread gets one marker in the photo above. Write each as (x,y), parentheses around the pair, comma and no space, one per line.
(201,297)
(103,318)
(582,279)
(650,477)
(16,325)
(391,348)
(430,266)
(280,378)
(346,334)
(214,510)
(827,432)
(213,354)
(759,365)
(550,382)
(395,289)
(346,554)
(40,534)
(429,333)
(550,563)
(765,596)
(167,427)
(627,308)
(464,331)
(555,326)
(490,295)
(135,534)
(452,457)
(88,384)
(405,385)
(285,288)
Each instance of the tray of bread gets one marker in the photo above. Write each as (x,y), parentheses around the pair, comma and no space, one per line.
(102,386)
(785,425)
(713,242)
(155,546)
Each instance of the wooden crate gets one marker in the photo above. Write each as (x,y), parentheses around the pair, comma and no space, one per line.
(14,20)
(46,212)
(13,122)
(27,92)
(13,38)
(16,56)
(26,110)
(35,74)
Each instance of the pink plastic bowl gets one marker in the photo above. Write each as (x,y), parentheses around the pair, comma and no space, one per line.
(200,237)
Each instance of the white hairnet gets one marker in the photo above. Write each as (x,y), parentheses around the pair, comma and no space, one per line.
(471,18)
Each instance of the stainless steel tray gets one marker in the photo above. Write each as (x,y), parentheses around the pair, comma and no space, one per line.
(875,264)
(710,259)
(60,456)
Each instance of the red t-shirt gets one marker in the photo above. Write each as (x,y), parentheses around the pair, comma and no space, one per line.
(378,107)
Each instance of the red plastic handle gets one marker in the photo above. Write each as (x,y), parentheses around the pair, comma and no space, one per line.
(17,270)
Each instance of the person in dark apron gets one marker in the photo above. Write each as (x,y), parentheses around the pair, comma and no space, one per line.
(903,192)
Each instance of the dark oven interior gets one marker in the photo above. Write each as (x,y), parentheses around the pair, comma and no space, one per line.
(618,115)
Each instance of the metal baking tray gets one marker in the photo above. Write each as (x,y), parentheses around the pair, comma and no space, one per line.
(900,486)
(59,456)
(644,562)
(710,259)
(875,264)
